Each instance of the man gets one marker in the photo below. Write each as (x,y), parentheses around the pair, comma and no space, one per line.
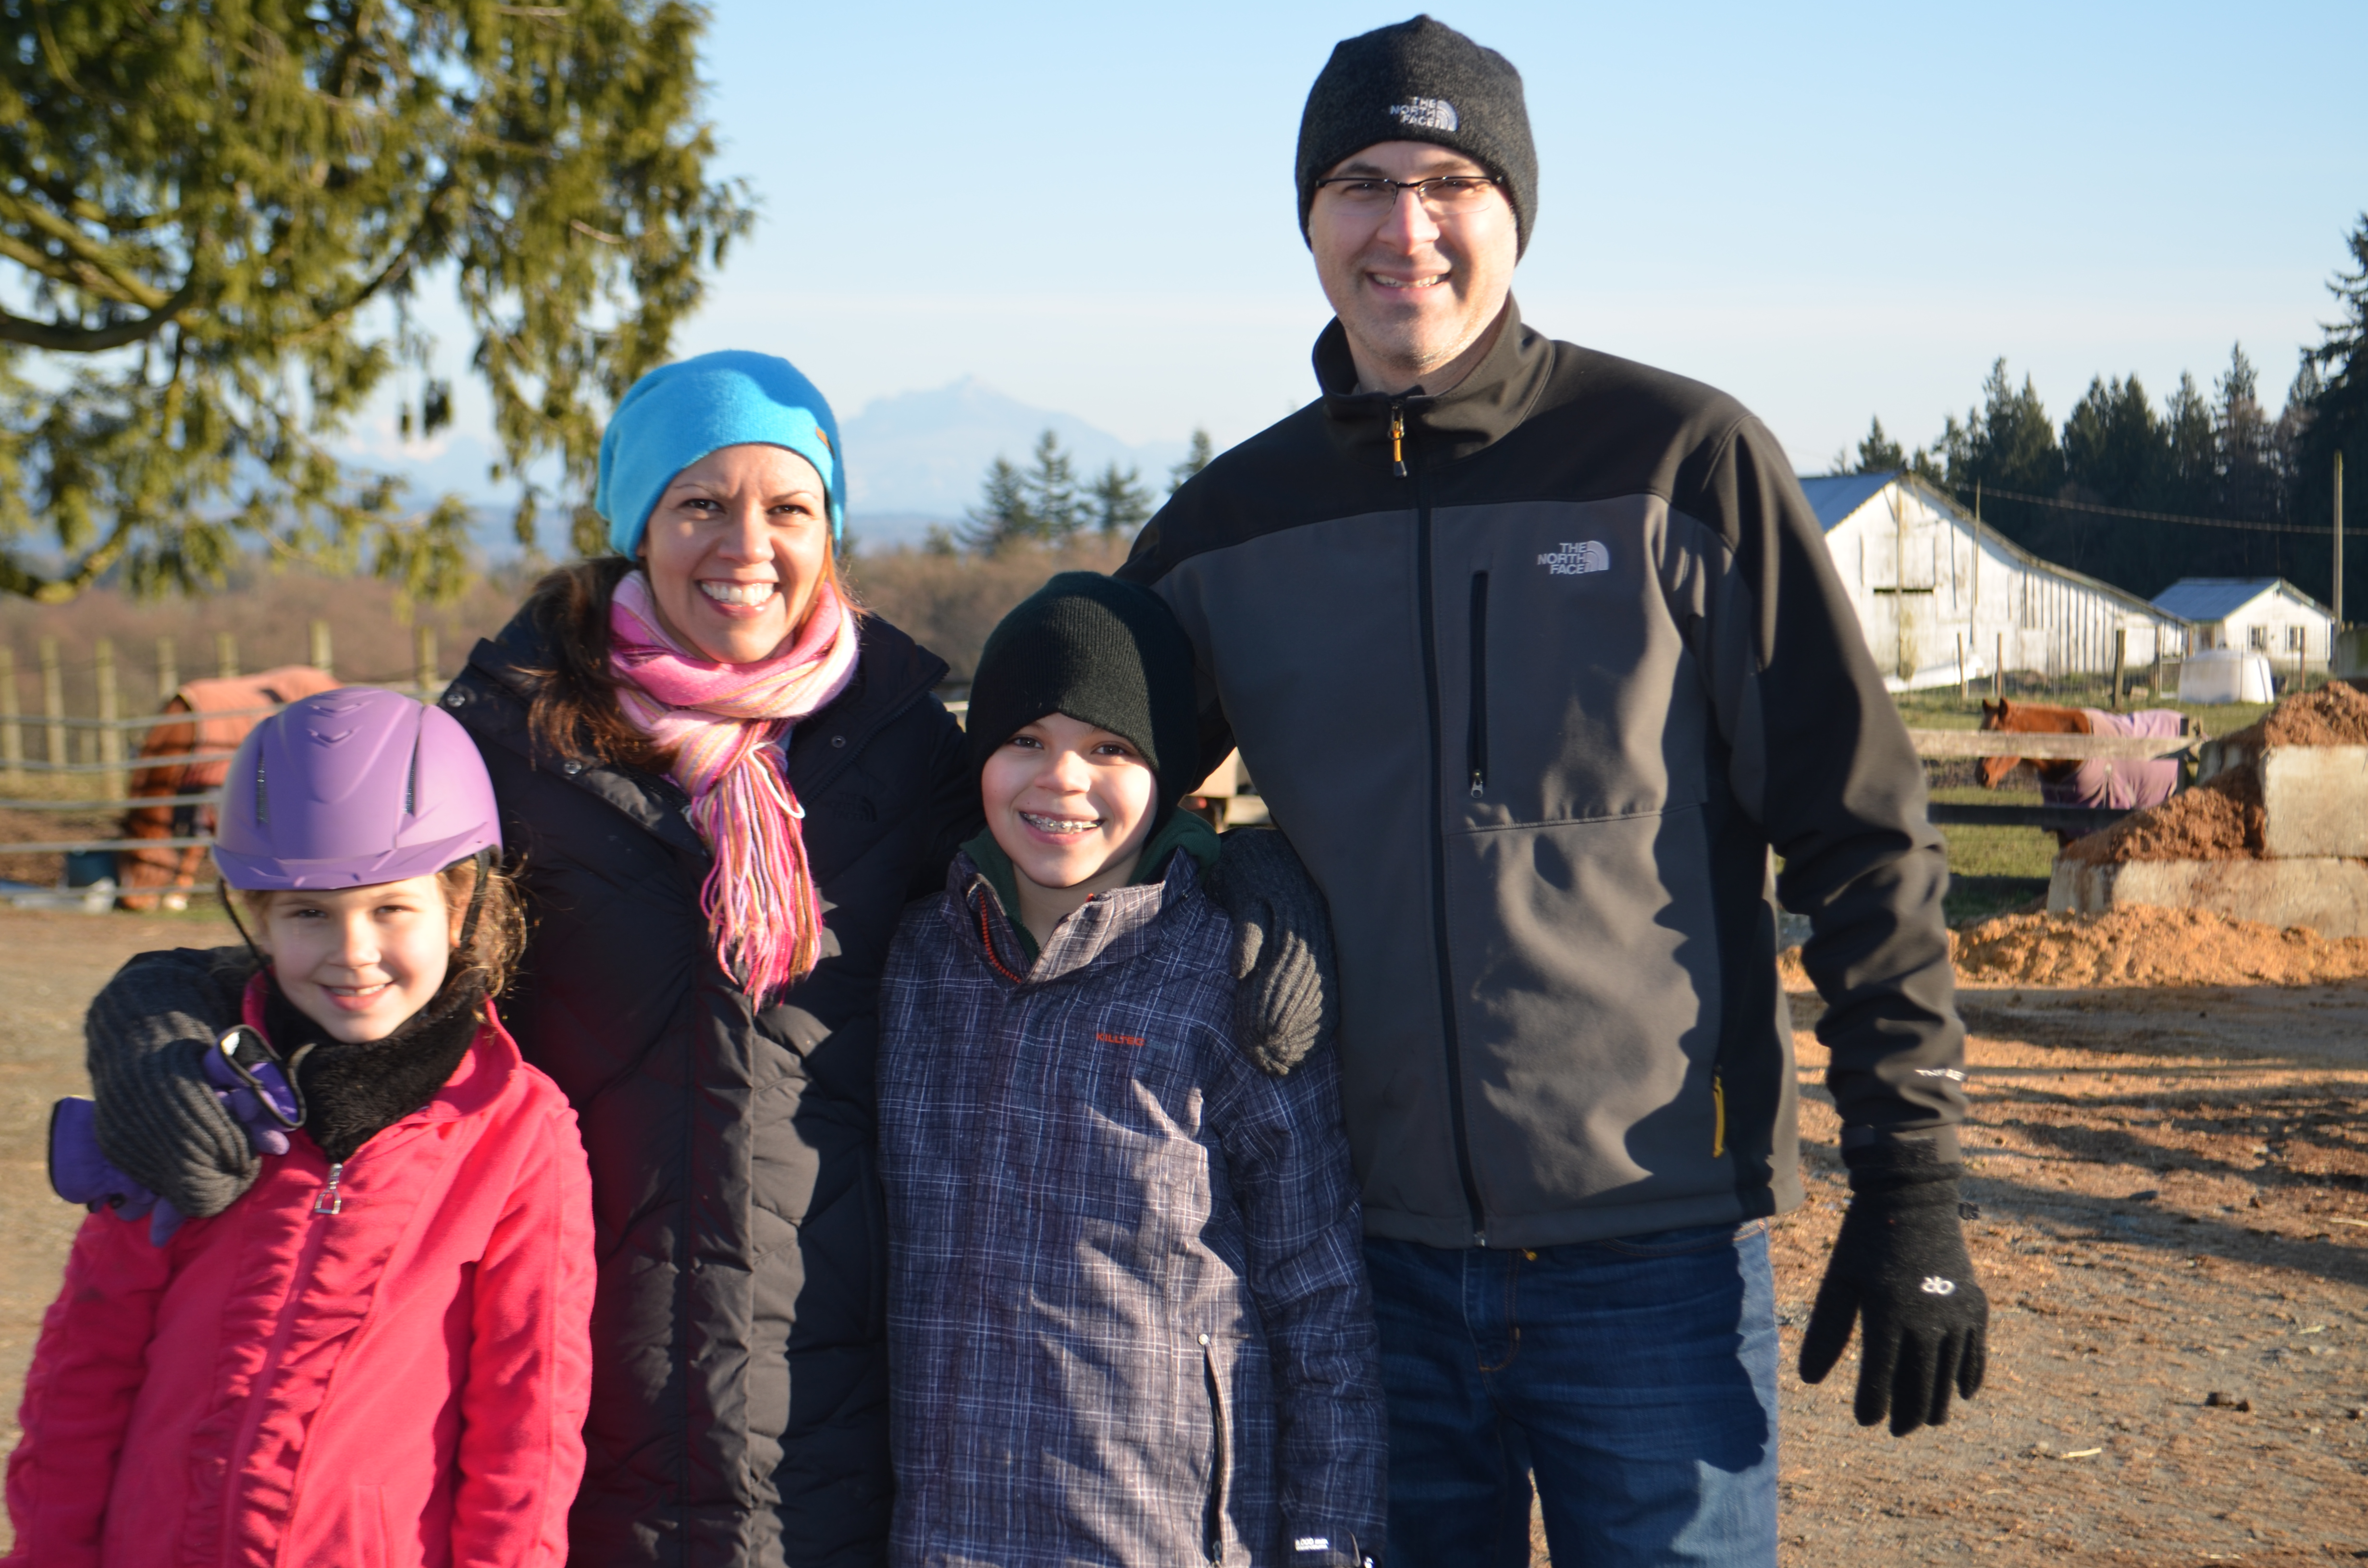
(1534,653)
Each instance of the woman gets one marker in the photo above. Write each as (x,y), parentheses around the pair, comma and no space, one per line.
(726,782)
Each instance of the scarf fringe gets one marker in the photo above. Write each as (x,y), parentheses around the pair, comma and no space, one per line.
(759,897)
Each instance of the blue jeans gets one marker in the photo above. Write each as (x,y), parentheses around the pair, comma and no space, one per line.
(1636,1378)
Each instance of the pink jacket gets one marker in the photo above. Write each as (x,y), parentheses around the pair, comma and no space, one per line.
(391,1373)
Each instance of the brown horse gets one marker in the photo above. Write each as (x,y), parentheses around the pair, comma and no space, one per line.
(2124,784)
(163,876)
(2032,718)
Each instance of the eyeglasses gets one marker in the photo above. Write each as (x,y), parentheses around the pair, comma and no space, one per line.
(1440,194)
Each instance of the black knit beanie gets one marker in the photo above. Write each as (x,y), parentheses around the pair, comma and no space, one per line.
(1105,652)
(1420,81)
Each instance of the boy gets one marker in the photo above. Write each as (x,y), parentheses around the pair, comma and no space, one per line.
(1128,1321)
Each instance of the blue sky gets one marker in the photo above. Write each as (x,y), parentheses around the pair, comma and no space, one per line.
(1829,210)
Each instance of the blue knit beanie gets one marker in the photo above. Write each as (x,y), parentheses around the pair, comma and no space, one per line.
(679,412)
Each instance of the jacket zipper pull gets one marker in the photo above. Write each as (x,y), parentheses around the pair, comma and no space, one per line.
(1397,441)
(326,1200)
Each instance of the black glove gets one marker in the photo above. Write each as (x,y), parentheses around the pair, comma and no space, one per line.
(1288,1001)
(1900,1267)
(160,1120)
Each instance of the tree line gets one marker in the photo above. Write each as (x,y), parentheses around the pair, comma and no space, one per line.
(1048,503)
(2223,457)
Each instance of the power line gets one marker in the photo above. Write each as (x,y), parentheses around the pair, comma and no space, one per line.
(2170,517)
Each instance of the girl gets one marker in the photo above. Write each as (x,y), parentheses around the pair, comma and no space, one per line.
(380,1355)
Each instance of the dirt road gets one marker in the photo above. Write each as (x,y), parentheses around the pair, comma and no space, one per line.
(2174,1197)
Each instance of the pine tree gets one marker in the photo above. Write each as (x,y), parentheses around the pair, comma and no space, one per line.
(214,223)
(1878,453)
(1053,494)
(2008,443)
(1196,457)
(1119,501)
(1005,514)
(2194,449)
(2115,449)
(2336,421)
(2241,431)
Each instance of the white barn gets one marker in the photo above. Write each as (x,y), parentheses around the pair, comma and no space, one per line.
(1926,582)
(2254,615)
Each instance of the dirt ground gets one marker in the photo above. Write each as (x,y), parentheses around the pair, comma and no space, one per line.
(2173,1186)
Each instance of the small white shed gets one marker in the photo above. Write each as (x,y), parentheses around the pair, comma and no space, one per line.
(2254,615)
(1926,580)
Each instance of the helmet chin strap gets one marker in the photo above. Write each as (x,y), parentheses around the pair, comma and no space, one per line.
(230,907)
(468,939)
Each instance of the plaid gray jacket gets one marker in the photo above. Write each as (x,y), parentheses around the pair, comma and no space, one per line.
(1128,1319)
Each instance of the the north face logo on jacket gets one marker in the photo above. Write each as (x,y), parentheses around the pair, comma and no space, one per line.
(1425,114)
(1573,560)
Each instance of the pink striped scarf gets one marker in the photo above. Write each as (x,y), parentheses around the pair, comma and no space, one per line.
(725,723)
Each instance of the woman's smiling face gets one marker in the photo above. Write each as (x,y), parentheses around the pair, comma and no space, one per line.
(735,547)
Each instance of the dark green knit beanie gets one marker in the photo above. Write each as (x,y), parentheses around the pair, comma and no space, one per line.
(1105,652)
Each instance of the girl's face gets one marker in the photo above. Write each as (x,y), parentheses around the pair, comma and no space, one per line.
(735,547)
(359,961)
(1071,804)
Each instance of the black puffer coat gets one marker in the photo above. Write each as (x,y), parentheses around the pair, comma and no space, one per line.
(740,1390)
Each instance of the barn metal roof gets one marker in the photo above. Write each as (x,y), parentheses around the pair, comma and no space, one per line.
(2218,598)
(1836,496)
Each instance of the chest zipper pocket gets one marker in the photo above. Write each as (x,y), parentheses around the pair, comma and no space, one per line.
(1476,740)
(1213,1516)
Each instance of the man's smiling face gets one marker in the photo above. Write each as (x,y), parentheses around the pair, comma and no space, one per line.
(1416,291)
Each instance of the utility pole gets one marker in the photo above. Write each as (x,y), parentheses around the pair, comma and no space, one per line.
(2338,547)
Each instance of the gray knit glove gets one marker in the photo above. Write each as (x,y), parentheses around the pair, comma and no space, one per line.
(146,1039)
(1288,1001)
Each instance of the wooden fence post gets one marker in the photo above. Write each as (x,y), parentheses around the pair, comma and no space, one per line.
(54,700)
(321,658)
(12,733)
(2121,658)
(110,709)
(1997,670)
(423,644)
(225,655)
(1961,666)
(169,670)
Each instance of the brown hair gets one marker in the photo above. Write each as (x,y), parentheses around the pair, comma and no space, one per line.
(574,715)
(500,936)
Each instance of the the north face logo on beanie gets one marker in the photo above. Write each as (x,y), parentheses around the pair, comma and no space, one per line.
(1426,114)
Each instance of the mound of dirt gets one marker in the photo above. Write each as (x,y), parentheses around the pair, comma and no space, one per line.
(2334,715)
(2218,820)
(2150,947)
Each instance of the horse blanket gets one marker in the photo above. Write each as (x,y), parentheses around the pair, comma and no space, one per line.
(147,875)
(2123,784)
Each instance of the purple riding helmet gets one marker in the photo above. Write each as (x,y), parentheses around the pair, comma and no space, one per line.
(353,787)
(347,788)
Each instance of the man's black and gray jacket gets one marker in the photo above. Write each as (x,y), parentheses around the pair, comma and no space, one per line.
(1534,675)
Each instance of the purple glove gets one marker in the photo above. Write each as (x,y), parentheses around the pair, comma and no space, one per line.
(80,1174)
(248,1081)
